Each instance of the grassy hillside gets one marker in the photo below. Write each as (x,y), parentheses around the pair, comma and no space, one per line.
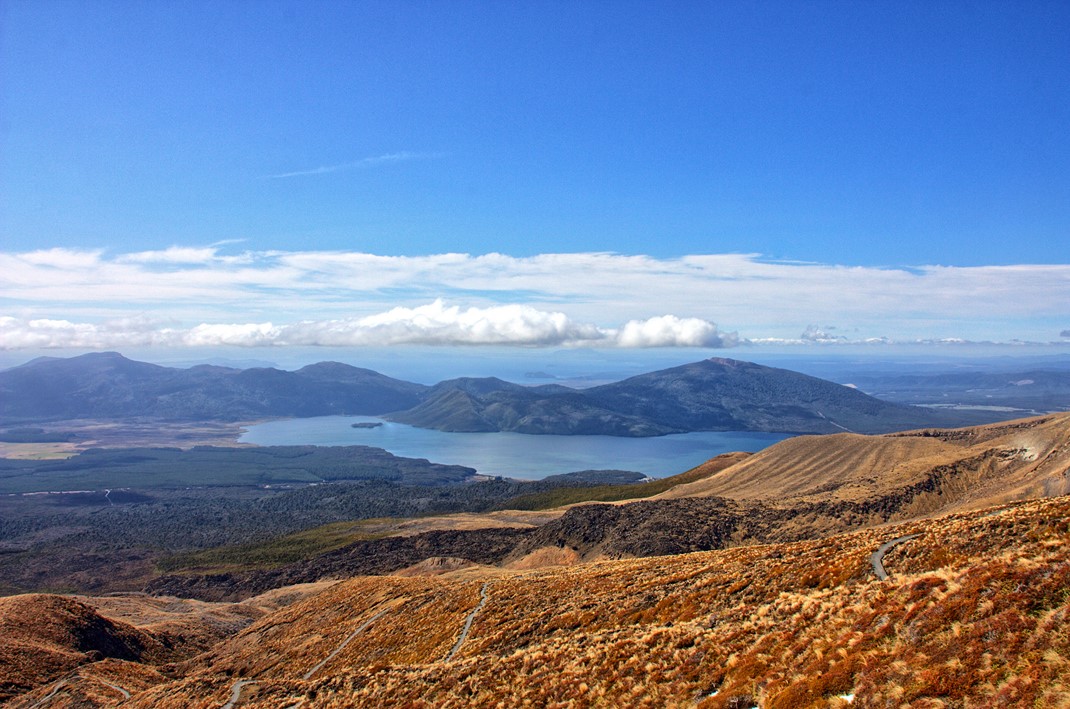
(973,615)
(974,612)
(967,468)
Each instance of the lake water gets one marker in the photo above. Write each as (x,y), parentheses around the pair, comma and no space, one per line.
(514,455)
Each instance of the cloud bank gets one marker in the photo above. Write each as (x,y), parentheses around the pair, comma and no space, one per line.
(200,295)
(431,324)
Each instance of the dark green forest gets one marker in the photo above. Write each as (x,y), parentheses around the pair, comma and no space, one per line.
(134,506)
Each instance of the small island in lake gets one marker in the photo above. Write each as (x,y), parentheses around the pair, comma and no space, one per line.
(367,424)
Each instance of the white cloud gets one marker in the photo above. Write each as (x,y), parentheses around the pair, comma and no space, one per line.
(44,333)
(437,323)
(432,324)
(671,331)
(247,335)
(68,259)
(766,301)
(813,333)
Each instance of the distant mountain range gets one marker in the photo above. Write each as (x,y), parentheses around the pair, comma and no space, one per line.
(711,395)
(108,385)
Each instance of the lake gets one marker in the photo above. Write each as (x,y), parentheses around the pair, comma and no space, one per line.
(514,455)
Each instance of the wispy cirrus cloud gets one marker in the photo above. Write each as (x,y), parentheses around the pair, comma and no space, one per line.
(374,161)
(174,254)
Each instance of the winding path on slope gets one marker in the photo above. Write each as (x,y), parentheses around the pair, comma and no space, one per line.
(117,688)
(235,692)
(58,687)
(236,688)
(468,621)
(363,626)
(48,697)
(877,557)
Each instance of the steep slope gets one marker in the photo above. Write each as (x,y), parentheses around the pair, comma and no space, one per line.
(973,615)
(47,636)
(946,469)
(95,651)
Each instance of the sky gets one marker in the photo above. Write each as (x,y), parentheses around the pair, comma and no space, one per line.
(182,176)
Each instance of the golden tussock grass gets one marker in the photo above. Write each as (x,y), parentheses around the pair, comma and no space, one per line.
(788,625)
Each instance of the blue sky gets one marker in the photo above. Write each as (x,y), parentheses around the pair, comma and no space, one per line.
(890,171)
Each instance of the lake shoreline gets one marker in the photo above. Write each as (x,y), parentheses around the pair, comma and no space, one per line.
(513,455)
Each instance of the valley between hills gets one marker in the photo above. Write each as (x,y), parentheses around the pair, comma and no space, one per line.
(752,580)
(587,610)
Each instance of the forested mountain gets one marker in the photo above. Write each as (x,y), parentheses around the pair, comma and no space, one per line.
(108,385)
(711,395)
